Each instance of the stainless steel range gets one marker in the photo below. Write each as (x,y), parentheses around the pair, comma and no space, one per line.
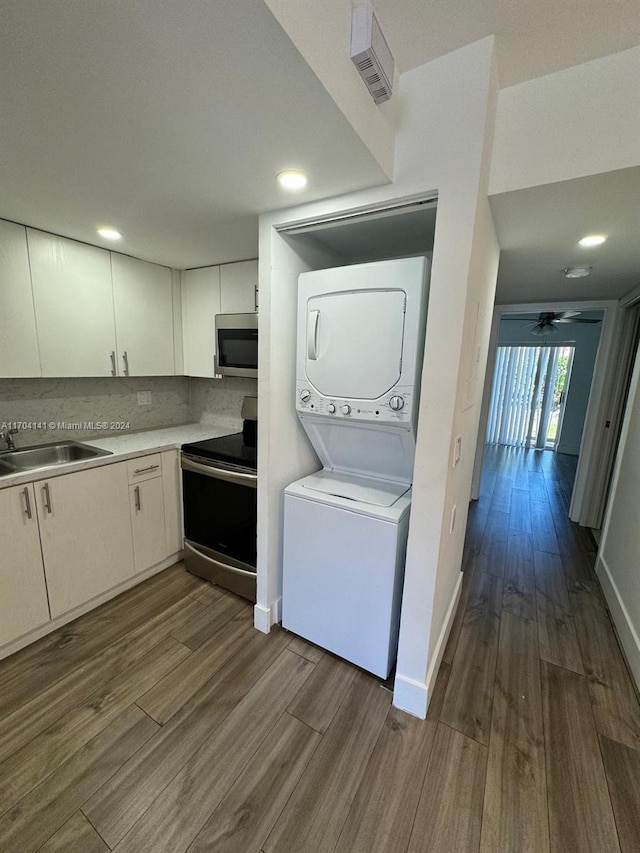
(219,479)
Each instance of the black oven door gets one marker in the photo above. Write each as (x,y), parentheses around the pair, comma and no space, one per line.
(220,511)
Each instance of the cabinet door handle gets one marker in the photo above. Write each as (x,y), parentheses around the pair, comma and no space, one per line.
(27,502)
(136,494)
(47,498)
(113,362)
(144,470)
(125,358)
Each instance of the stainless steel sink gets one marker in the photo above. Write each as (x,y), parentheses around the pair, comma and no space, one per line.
(46,456)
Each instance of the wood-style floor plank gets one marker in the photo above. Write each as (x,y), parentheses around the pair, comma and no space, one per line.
(520,513)
(449,813)
(82,681)
(467,704)
(169,694)
(49,806)
(515,802)
(26,768)
(543,527)
(247,814)
(41,664)
(580,812)
(556,627)
(317,810)
(615,703)
(210,620)
(492,556)
(519,590)
(622,766)
(124,799)
(382,814)
(318,701)
(75,836)
(307,650)
(176,817)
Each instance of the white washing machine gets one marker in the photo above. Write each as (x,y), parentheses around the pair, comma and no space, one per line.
(344,550)
(359,357)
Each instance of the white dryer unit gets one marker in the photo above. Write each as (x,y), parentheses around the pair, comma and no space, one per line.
(344,551)
(359,356)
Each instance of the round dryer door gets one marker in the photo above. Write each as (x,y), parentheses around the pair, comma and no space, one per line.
(354,343)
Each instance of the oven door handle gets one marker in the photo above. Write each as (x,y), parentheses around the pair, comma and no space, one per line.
(237,477)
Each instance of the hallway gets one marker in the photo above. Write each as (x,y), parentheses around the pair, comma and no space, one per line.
(537,677)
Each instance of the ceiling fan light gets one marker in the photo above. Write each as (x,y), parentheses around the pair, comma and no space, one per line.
(544,330)
(577,272)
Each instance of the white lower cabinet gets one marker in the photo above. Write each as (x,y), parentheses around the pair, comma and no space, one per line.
(23,593)
(65,540)
(172,487)
(146,500)
(85,530)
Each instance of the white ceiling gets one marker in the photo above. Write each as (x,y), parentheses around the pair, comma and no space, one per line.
(538,230)
(167,119)
(533,37)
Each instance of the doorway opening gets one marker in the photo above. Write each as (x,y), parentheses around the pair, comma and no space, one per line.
(528,396)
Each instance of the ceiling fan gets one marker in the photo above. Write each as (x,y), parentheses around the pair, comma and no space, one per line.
(548,320)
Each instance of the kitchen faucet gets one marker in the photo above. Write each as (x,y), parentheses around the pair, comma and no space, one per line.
(7,436)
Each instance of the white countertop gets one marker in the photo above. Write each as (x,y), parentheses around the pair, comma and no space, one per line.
(127,446)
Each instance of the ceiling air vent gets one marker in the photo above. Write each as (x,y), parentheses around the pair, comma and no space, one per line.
(370,53)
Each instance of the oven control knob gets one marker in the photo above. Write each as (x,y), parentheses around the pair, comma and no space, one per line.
(331,408)
(305,395)
(346,409)
(396,403)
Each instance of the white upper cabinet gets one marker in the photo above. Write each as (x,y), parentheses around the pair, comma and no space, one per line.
(143,300)
(74,306)
(200,304)
(238,287)
(18,341)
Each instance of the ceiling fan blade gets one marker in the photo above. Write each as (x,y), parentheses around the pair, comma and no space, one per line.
(530,325)
(575,320)
(563,315)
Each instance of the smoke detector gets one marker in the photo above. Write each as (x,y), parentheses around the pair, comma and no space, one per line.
(370,53)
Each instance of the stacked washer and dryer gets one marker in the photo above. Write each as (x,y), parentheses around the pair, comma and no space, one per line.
(359,357)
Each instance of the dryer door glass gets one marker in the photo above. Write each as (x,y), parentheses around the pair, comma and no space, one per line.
(354,341)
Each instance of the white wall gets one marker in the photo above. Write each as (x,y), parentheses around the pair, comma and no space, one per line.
(324,41)
(618,564)
(585,338)
(580,121)
(447,110)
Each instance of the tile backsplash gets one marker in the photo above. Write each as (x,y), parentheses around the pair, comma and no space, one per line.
(220,400)
(66,408)
(59,409)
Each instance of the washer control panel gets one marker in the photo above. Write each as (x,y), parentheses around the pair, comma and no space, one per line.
(396,407)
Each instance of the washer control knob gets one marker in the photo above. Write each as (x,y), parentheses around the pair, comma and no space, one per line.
(331,408)
(346,409)
(396,403)
(305,395)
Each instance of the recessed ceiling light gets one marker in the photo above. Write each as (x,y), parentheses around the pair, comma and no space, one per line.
(109,233)
(291,179)
(592,240)
(577,272)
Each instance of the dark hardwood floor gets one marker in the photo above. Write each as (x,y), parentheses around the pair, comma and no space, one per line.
(164,722)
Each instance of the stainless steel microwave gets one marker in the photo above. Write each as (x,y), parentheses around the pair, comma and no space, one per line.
(237,345)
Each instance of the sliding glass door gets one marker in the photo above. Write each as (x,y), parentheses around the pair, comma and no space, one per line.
(528,394)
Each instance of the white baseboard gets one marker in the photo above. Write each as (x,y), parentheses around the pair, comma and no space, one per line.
(53,624)
(262,618)
(265,617)
(624,626)
(414,696)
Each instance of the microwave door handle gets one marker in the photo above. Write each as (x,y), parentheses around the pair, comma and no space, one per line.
(312,335)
